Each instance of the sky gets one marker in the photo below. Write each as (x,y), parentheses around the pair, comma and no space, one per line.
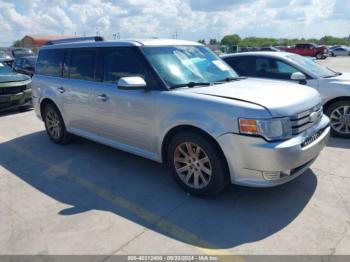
(189,19)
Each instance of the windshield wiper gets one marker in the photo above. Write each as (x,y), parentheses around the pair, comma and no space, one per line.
(191,84)
(229,79)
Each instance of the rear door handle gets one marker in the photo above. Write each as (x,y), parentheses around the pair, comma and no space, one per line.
(102,97)
(61,90)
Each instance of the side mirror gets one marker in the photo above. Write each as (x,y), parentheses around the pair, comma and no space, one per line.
(298,76)
(131,83)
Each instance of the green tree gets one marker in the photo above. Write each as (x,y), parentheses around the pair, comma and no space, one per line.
(202,41)
(213,41)
(231,40)
(16,43)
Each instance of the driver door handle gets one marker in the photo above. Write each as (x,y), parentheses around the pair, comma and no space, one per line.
(61,90)
(103,97)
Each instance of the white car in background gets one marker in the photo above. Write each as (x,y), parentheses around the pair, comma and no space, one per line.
(334,87)
(340,51)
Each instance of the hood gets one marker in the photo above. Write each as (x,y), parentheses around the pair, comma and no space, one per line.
(12,77)
(280,98)
(343,79)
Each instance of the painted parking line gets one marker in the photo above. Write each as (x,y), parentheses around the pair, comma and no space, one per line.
(149,217)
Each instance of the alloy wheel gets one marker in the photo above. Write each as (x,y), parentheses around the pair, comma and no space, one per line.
(340,119)
(192,165)
(53,124)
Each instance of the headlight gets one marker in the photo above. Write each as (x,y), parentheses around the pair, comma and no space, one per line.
(270,129)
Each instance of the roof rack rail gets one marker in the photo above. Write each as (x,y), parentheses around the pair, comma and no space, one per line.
(75,39)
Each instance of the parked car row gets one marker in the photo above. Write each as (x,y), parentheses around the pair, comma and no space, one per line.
(21,59)
(15,89)
(340,51)
(178,103)
(334,87)
(253,119)
(312,50)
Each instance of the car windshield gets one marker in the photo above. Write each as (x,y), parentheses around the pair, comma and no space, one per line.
(3,54)
(312,66)
(4,69)
(188,65)
(22,53)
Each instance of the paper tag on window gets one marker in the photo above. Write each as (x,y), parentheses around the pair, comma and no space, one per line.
(221,65)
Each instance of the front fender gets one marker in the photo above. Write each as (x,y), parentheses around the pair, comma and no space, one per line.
(213,124)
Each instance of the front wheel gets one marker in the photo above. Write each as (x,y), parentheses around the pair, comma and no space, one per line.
(197,164)
(339,115)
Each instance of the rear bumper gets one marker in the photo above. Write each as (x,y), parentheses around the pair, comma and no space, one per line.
(253,161)
(15,101)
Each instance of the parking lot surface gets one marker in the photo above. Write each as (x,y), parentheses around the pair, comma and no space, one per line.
(86,198)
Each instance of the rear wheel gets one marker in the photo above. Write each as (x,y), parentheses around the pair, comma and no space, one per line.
(197,164)
(339,115)
(55,126)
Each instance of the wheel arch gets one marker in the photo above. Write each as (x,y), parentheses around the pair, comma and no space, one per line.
(188,128)
(43,103)
(334,100)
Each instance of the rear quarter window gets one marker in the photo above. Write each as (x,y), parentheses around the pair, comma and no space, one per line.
(49,62)
(240,64)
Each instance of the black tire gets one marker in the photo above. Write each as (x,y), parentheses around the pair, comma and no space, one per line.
(319,56)
(63,137)
(218,165)
(330,109)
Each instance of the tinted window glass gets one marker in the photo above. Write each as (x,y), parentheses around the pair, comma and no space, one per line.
(122,62)
(18,62)
(284,68)
(240,64)
(83,64)
(49,62)
(272,68)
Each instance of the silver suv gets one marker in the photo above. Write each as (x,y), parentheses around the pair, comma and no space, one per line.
(176,102)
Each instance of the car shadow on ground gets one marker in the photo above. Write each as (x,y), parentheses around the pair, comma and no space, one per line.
(89,176)
(339,142)
(14,111)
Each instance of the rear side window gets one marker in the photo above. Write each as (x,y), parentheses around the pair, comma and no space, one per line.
(240,64)
(83,64)
(122,62)
(49,62)
(18,62)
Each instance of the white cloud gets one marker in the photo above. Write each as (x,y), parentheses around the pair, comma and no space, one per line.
(192,19)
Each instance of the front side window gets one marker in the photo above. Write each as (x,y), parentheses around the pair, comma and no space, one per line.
(19,62)
(50,62)
(180,65)
(274,69)
(122,62)
(82,64)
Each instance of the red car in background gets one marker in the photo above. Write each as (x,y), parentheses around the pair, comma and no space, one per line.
(320,52)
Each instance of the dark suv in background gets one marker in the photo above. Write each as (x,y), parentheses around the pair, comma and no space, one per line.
(25,65)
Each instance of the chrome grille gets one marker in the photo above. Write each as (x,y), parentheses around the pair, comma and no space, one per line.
(12,90)
(306,119)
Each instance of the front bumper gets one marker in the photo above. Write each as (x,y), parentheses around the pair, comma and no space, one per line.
(15,101)
(252,159)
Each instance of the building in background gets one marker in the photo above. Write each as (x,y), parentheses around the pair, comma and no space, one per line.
(34,42)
